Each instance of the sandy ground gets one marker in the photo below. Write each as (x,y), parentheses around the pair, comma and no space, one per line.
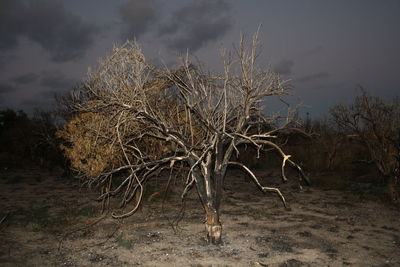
(49,221)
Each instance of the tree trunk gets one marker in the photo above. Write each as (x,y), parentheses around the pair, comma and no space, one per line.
(213,227)
(209,181)
(210,197)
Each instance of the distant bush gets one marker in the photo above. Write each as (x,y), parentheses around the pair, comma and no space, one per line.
(28,141)
(375,124)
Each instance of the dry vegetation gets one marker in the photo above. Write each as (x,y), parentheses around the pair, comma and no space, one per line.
(144,137)
(131,120)
(376,124)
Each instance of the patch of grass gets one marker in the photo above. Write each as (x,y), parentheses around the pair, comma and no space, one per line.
(332,181)
(38,178)
(68,216)
(229,200)
(40,216)
(42,220)
(4,217)
(124,243)
(153,194)
(14,180)
(257,213)
(258,165)
(360,170)
(88,211)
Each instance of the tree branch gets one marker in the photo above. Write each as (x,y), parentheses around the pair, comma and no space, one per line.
(263,189)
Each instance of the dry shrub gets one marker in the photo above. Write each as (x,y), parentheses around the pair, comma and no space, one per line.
(93,145)
(86,147)
(375,122)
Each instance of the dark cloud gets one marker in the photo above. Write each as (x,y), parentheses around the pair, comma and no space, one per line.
(56,81)
(138,16)
(6,58)
(195,24)
(10,26)
(26,78)
(43,103)
(64,35)
(313,77)
(6,88)
(284,67)
(315,50)
(49,94)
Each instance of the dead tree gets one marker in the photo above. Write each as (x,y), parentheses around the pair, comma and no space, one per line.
(376,123)
(133,119)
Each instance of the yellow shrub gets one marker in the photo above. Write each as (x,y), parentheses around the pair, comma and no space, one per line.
(87,149)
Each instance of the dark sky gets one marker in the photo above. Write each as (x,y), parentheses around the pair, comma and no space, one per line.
(326,48)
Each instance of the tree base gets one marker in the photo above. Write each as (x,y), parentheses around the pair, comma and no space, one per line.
(214,233)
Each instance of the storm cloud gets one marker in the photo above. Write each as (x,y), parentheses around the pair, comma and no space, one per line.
(56,81)
(6,88)
(195,24)
(61,33)
(10,26)
(313,77)
(284,67)
(26,78)
(138,16)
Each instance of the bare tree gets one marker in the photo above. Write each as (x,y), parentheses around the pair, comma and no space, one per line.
(376,123)
(134,119)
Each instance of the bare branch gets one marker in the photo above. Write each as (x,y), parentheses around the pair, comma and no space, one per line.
(262,188)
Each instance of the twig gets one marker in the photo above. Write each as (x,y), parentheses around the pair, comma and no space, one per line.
(4,218)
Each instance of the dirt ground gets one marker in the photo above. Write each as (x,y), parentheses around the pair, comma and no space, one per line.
(47,220)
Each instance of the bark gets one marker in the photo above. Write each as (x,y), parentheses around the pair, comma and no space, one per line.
(213,224)
(209,188)
(213,227)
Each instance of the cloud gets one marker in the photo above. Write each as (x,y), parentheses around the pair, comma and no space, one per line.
(44,103)
(56,81)
(10,29)
(6,58)
(315,50)
(49,94)
(6,88)
(26,78)
(138,16)
(195,24)
(313,77)
(64,35)
(284,67)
